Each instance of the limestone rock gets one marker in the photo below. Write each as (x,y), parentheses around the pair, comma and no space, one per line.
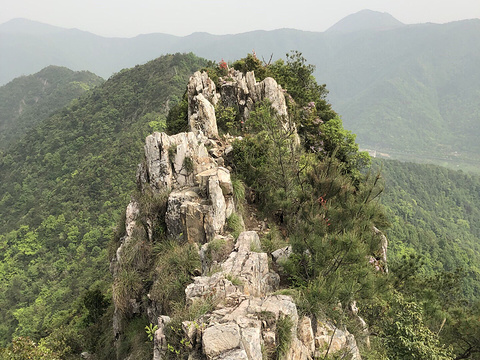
(202,98)
(179,204)
(216,216)
(335,341)
(305,334)
(282,255)
(203,118)
(159,339)
(200,83)
(383,247)
(173,161)
(220,338)
(251,268)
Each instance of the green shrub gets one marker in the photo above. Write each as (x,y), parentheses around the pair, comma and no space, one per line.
(217,251)
(177,118)
(134,342)
(235,225)
(174,266)
(272,240)
(188,165)
(227,119)
(283,335)
(238,193)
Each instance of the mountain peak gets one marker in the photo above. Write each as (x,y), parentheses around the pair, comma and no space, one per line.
(29,27)
(365,20)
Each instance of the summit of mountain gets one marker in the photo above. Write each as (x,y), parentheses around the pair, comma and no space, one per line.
(365,20)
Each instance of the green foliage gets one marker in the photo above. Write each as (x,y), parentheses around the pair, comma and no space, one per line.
(178,345)
(174,265)
(283,335)
(188,165)
(406,335)
(135,342)
(23,348)
(96,304)
(64,186)
(273,240)
(227,119)
(27,100)
(434,213)
(217,251)
(341,143)
(235,225)
(177,118)
(252,63)
(150,331)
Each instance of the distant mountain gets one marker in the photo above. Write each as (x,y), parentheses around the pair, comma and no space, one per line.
(28,27)
(28,100)
(366,20)
(408,91)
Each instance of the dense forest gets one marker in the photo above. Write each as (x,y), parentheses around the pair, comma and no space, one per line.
(63,188)
(411,91)
(26,101)
(434,213)
(65,184)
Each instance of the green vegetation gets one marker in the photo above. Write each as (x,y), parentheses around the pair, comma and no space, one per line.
(328,209)
(26,101)
(284,335)
(434,213)
(63,187)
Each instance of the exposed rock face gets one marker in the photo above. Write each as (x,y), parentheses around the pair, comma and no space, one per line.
(246,314)
(246,318)
(237,90)
(202,98)
(244,91)
(383,249)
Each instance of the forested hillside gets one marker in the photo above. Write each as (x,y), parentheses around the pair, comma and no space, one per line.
(434,213)
(63,186)
(409,91)
(300,177)
(26,101)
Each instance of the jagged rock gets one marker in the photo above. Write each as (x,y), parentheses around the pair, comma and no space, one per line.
(159,339)
(193,222)
(179,204)
(251,339)
(203,118)
(305,334)
(238,354)
(173,161)
(200,83)
(383,247)
(202,98)
(216,285)
(220,338)
(334,340)
(251,268)
(268,89)
(282,255)
(243,91)
(214,219)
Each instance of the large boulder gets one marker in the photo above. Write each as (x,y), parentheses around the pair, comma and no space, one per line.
(202,98)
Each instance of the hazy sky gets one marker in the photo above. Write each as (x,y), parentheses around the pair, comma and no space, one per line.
(127,18)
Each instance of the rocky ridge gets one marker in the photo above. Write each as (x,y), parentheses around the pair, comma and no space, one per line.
(248,314)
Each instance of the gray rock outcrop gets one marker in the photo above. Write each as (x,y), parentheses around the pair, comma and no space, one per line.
(247,314)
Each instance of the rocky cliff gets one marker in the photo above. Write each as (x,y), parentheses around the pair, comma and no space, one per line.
(247,317)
